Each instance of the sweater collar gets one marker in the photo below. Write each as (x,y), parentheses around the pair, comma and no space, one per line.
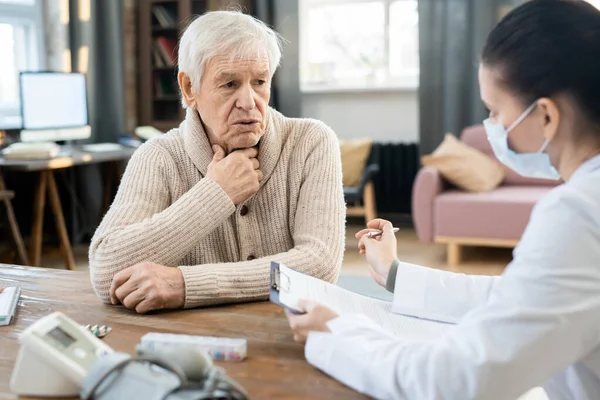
(200,152)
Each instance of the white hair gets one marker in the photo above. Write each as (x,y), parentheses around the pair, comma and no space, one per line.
(233,33)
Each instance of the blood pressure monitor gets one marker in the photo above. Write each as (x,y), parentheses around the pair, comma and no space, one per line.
(55,356)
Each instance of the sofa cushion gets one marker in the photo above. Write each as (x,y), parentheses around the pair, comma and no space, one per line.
(476,137)
(465,166)
(500,214)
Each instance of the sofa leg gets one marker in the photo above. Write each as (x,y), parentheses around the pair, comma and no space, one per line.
(369,201)
(454,254)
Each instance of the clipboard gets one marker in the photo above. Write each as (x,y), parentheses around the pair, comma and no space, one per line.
(288,286)
(279,282)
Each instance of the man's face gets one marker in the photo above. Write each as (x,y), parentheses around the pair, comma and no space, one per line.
(232,100)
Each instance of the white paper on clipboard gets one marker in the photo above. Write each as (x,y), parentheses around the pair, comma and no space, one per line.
(296,285)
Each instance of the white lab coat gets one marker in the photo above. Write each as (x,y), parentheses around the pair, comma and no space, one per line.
(538,324)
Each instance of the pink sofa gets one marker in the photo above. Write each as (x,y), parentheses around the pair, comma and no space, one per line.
(445,214)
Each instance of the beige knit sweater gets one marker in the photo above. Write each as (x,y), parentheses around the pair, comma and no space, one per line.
(167,212)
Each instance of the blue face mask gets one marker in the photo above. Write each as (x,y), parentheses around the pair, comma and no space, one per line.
(531,165)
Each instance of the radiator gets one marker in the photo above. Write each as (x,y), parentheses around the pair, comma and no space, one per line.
(398,167)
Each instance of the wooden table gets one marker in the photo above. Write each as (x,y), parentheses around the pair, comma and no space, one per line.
(275,367)
(70,156)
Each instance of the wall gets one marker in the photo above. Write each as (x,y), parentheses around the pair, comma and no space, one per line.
(385,116)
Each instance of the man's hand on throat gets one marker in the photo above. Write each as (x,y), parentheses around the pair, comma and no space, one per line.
(238,173)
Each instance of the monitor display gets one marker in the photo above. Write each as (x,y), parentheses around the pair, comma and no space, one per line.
(53,100)
(61,336)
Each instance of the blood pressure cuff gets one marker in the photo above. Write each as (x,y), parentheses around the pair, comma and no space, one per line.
(119,376)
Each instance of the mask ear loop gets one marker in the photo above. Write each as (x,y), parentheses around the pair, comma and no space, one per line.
(546,142)
(522,117)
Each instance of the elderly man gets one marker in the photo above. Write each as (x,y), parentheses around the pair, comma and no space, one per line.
(203,210)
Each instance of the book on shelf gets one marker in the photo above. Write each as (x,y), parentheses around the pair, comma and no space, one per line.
(165,18)
(165,86)
(157,57)
(166,49)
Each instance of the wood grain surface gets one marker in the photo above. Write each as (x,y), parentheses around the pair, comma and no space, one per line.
(275,367)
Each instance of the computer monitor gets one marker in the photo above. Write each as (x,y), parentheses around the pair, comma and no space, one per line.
(54,106)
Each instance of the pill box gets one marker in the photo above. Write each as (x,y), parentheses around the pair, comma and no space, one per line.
(219,348)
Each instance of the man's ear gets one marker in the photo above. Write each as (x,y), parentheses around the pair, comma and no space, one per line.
(185,85)
(550,115)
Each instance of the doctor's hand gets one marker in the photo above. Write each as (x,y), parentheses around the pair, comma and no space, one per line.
(380,251)
(315,320)
(148,286)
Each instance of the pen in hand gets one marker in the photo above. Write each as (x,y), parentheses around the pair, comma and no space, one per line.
(379,233)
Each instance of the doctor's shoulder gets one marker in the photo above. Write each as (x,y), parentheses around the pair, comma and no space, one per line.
(563,229)
(576,203)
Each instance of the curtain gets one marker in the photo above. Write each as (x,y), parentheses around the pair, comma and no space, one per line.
(283,17)
(100,31)
(88,37)
(96,47)
(265,11)
(451,36)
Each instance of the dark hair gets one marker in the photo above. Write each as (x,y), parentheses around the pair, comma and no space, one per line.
(549,47)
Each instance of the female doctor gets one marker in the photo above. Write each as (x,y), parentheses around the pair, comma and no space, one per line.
(539,323)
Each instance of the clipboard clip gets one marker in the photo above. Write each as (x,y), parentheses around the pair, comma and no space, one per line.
(278,282)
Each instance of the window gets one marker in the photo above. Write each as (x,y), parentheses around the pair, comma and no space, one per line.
(24,2)
(20,50)
(358,44)
(595,3)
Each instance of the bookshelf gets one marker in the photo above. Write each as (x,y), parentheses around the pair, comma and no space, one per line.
(160,24)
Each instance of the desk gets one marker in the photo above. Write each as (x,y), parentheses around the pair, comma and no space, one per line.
(275,367)
(46,187)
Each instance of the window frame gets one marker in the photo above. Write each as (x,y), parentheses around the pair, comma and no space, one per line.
(400,84)
(31,17)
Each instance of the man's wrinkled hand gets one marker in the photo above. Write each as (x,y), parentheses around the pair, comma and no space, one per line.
(148,286)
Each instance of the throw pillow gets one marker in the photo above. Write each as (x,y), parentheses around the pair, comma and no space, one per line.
(465,166)
(354,159)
